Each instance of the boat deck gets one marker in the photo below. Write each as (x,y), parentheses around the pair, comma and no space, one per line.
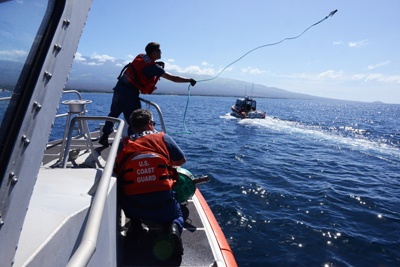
(151,248)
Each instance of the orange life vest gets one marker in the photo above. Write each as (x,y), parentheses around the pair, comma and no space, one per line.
(145,166)
(134,74)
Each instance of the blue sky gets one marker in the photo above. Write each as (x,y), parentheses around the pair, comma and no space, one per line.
(353,55)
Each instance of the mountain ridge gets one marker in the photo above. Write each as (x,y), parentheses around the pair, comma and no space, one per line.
(96,76)
(102,77)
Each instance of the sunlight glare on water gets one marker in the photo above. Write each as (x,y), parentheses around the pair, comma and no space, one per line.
(299,188)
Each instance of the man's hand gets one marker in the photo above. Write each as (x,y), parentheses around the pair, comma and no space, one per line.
(192,82)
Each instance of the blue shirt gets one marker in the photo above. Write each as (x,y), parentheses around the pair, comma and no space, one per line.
(174,150)
(153,70)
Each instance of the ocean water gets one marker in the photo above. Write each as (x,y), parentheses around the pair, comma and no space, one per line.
(316,183)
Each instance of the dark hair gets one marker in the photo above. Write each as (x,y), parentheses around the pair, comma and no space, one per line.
(139,119)
(150,47)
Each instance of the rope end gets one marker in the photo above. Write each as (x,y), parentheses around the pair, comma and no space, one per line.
(332,13)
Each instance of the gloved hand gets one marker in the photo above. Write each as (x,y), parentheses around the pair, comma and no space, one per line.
(192,82)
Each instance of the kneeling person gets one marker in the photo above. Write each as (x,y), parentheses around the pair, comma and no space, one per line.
(146,176)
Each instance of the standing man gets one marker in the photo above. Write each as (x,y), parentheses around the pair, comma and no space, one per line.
(139,76)
(146,174)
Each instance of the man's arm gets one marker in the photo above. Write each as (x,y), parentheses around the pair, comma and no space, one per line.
(180,163)
(175,152)
(178,79)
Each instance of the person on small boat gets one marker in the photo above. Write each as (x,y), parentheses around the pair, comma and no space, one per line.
(146,176)
(139,76)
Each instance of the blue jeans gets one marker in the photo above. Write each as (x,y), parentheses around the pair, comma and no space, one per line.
(125,100)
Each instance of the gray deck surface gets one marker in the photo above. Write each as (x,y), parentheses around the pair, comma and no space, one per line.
(151,248)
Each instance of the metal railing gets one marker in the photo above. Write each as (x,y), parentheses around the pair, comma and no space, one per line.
(64,92)
(69,92)
(80,127)
(87,246)
(158,111)
(84,119)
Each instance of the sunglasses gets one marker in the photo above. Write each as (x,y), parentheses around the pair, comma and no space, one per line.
(153,122)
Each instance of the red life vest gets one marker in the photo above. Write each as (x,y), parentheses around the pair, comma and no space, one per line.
(134,74)
(144,166)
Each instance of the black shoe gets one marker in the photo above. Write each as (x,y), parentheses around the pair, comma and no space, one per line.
(175,238)
(104,140)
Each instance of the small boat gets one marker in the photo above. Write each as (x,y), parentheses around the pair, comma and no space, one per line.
(58,199)
(246,108)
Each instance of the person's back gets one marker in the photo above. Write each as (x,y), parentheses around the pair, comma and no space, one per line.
(146,176)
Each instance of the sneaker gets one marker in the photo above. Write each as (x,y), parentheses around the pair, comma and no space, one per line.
(175,238)
(104,140)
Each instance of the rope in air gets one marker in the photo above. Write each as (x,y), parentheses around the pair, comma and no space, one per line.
(252,50)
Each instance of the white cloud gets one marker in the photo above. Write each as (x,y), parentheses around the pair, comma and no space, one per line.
(126,62)
(331,74)
(341,76)
(374,76)
(95,64)
(393,79)
(382,78)
(366,77)
(254,71)
(13,54)
(358,43)
(326,75)
(337,43)
(78,57)
(102,58)
(191,69)
(358,77)
(371,67)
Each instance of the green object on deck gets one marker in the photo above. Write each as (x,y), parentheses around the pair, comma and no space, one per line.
(184,186)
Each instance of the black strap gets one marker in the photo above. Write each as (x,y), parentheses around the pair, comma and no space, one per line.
(123,70)
(135,74)
(123,161)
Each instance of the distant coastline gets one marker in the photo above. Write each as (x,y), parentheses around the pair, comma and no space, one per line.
(217,87)
(162,92)
(102,80)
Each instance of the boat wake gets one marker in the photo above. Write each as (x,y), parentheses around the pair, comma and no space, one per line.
(345,137)
(228,116)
